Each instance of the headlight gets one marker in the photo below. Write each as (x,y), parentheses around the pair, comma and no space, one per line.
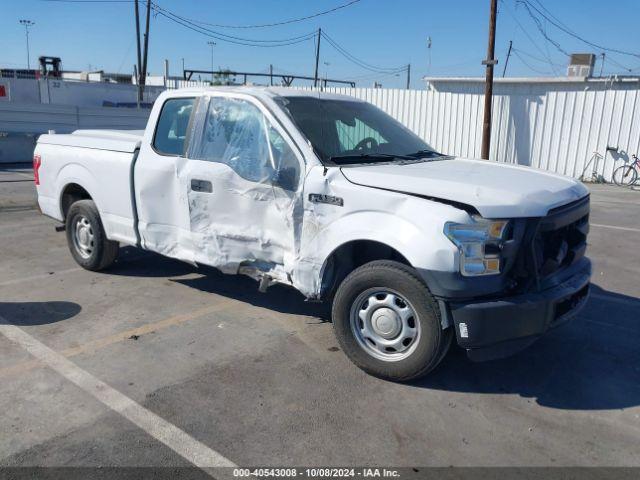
(479,244)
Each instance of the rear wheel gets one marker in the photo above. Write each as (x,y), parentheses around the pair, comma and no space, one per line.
(625,175)
(88,243)
(388,323)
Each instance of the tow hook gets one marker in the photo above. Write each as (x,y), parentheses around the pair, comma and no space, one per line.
(60,228)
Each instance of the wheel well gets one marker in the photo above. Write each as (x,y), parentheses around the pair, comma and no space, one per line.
(351,255)
(72,193)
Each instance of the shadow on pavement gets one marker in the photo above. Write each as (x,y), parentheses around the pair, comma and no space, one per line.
(591,363)
(37,313)
(133,262)
(278,297)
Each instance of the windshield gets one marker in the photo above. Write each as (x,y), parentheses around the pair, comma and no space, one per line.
(352,132)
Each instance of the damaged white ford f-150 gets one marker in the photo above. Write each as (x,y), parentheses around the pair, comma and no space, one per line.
(332,196)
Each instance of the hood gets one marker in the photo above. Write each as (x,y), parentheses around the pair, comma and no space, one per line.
(496,190)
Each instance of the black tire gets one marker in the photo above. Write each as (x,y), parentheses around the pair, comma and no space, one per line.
(625,175)
(92,249)
(431,344)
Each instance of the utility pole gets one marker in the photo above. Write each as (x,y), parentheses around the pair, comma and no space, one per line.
(408,76)
(139,68)
(506,62)
(135,75)
(271,75)
(488,91)
(166,72)
(27,24)
(326,73)
(146,47)
(602,64)
(315,77)
(212,44)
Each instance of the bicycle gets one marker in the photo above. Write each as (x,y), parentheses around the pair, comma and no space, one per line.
(627,175)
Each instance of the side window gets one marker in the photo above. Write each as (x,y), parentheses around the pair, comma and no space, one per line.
(284,161)
(237,134)
(171,130)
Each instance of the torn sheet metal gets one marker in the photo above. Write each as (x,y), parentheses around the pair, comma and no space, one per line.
(247,222)
(253,212)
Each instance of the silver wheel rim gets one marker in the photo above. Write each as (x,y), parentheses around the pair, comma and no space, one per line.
(385,324)
(83,238)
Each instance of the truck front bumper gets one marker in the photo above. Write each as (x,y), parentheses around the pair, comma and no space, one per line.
(498,328)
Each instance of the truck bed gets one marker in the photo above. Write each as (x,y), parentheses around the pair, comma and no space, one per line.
(89,163)
(112,140)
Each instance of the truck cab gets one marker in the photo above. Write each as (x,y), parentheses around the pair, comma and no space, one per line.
(330,195)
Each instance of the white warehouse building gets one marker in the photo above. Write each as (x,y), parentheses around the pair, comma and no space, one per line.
(577,126)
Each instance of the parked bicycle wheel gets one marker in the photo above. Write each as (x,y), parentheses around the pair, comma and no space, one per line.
(625,175)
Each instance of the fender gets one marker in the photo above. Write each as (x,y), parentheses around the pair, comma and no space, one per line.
(421,249)
(79,174)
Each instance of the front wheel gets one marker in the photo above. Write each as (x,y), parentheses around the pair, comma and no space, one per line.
(625,175)
(388,323)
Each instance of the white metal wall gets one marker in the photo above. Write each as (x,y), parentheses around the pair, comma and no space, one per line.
(73,92)
(20,124)
(553,126)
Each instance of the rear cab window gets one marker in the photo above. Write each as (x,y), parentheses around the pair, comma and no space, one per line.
(173,122)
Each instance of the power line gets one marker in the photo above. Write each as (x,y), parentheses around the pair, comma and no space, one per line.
(541,29)
(542,60)
(229,38)
(89,1)
(283,22)
(533,42)
(627,69)
(166,12)
(357,61)
(517,54)
(556,23)
(223,37)
(546,37)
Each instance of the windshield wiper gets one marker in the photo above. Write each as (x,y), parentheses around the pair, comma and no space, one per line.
(424,154)
(342,159)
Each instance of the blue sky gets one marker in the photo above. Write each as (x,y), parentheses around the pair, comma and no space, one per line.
(385,33)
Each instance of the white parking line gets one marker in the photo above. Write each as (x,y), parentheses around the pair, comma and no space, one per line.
(613,227)
(176,439)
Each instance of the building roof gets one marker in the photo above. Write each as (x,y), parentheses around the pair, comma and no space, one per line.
(564,79)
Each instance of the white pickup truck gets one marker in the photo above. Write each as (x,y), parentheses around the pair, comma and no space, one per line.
(332,196)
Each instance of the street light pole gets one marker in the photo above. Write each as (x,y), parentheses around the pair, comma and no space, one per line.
(27,24)
(212,44)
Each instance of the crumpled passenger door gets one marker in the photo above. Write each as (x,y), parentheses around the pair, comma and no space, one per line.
(242,181)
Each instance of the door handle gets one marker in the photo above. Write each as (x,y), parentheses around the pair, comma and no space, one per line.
(203,186)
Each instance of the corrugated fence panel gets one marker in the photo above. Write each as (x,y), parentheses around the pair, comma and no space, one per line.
(39,118)
(553,126)
(113,118)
